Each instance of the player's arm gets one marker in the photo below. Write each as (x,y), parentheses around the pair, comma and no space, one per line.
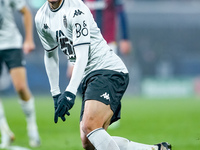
(125,45)
(51,61)
(28,45)
(51,58)
(67,99)
(79,67)
(80,25)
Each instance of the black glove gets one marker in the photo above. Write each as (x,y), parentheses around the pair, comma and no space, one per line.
(65,103)
(55,99)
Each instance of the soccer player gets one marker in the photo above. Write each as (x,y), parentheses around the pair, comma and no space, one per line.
(69,25)
(11,55)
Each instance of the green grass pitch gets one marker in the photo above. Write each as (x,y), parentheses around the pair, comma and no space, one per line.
(149,121)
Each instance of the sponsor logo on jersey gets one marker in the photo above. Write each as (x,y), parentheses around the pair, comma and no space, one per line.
(65,21)
(77,13)
(106,96)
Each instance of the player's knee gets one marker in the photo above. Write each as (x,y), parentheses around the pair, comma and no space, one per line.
(91,123)
(88,147)
(87,127)
(20,87)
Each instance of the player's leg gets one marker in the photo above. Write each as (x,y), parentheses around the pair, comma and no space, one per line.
(97,115)
(7,135)
(18,76)
(125,144)
(95,121)
(17,71)
(96,111)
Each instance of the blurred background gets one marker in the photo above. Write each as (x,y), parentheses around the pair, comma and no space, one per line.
(162,100)
(165,57)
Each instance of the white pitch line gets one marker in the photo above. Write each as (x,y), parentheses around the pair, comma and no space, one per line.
(17,148)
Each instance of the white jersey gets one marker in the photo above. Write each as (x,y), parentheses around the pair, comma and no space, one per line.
(70,25)
(10,36)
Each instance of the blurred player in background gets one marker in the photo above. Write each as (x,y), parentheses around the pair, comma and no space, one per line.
(5,80)
(12,56)
(69,25)
(108,14)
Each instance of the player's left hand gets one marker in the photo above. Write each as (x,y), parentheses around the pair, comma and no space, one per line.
(65,103)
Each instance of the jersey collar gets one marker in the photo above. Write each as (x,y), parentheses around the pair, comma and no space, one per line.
(54,10)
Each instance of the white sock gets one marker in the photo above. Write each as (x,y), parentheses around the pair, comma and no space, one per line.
(125,144)
(101,140)
(3,122)
(1,111)
(121,142)
(28,108)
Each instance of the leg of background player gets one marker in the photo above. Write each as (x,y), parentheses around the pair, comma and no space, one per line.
(6,134)
(18,76)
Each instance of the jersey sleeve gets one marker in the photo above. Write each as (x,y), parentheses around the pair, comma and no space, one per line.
(80,24)
(18,4)
(45,34)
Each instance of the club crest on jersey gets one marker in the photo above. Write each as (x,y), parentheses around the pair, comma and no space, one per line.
(46,26)
(77,13)
(65,21)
